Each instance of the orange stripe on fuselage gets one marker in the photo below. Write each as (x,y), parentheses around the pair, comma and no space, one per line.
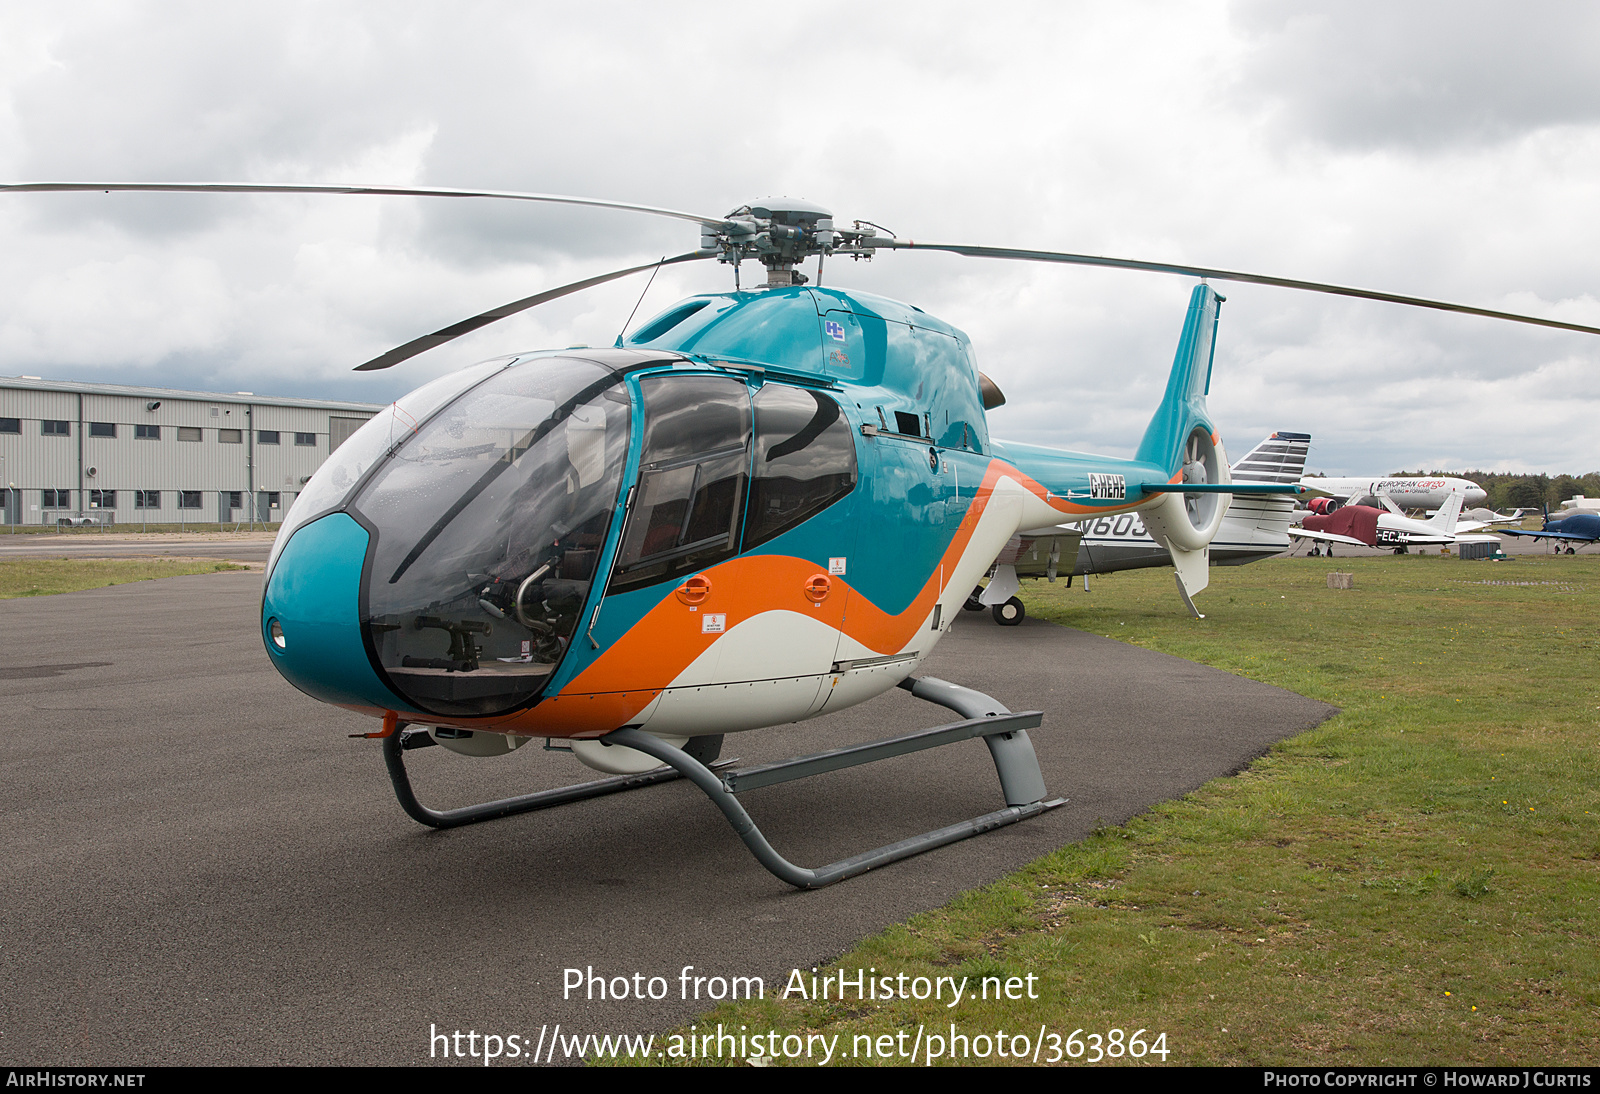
(1063,505)
(667,639)
(629,675)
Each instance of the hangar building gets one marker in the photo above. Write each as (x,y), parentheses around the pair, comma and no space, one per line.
(131,455)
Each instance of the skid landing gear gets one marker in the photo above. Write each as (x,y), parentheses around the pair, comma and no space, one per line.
(1006,734)
(406,738)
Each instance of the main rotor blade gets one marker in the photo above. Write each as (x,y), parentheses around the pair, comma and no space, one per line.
(467,326)
(1220,275)
(391,191)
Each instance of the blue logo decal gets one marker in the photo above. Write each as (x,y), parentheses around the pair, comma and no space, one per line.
(835,330)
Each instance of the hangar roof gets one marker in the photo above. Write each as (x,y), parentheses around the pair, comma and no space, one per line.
(33,383)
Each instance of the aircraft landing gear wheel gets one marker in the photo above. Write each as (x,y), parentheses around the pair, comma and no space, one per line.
(973,604)
(1009,614)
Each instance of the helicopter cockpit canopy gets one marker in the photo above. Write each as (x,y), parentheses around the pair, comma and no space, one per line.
(489,521)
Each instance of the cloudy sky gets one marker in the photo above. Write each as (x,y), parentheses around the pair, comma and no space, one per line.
(1448,150)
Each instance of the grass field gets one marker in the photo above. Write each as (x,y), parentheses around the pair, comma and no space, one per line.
(45,576)
(1416,881)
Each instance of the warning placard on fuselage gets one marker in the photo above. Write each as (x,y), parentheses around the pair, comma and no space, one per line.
(1107,487)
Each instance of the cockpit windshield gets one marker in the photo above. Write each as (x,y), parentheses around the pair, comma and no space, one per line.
(490,521)
(346,465)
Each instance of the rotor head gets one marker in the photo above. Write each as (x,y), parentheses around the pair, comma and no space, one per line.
(780,233)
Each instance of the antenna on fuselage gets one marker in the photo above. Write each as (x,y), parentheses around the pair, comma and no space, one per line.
(639,301)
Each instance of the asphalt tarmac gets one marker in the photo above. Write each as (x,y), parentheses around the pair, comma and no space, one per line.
(233,546)
(202,868)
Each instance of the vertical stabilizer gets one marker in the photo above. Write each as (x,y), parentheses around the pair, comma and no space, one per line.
(1192,569)
(1445,518)
(1183,408)
(1264,519)
(1181,441)
(1281,458)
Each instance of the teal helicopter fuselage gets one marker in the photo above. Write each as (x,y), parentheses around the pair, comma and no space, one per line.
(759,507)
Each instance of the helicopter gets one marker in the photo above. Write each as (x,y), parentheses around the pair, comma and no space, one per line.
(758,507)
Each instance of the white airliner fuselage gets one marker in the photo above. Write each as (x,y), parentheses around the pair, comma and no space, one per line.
(1427,493)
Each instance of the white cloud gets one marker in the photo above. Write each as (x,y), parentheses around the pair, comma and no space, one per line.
(1369,146)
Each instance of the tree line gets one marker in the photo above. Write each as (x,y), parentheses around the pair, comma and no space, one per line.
(1507,491)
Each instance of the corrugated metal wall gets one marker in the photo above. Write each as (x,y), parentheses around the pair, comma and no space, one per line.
(188,453)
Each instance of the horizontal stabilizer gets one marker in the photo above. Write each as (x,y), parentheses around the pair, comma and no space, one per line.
(1326,537)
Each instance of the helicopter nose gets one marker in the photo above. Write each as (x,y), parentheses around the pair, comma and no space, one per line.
(310,615)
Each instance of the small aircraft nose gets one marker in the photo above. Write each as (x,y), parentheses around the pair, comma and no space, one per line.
(310,615)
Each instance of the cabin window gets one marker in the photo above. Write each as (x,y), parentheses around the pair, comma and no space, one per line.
(805,460)
(693,472)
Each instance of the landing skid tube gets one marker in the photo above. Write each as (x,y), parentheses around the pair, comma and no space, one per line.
(396,745)
(1004,732)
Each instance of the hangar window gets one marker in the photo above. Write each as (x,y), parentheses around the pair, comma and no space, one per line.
(230,436)
(51,428)
(10,425)
(189,433)
(266,436)
(147,499)
(102,429)
(55,499)
(147,433)
(102,499)
(805,460)
(188,499)
(304,439)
